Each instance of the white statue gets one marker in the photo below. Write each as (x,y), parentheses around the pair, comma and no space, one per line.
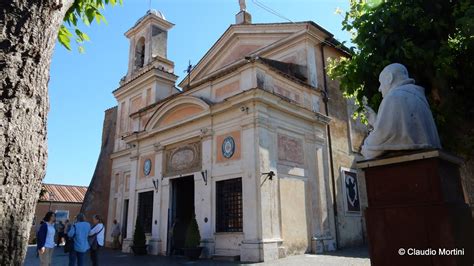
(404,120)
(243,6)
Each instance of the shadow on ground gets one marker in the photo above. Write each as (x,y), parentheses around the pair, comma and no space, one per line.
(352,256)
(357,252)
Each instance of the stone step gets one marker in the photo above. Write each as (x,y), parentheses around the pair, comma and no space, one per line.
(225,257)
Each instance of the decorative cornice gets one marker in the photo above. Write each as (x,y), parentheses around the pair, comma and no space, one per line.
(206,133)
(120,153)
(148,71)
(158,147)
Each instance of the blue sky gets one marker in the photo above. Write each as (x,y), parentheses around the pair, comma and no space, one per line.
(81,85)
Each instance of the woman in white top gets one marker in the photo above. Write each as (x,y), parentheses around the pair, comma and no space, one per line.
(96,238)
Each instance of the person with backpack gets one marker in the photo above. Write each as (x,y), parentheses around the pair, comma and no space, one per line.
(45,239)
(96,238)
(79,233)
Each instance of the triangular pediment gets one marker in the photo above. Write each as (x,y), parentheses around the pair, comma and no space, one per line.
(238,42)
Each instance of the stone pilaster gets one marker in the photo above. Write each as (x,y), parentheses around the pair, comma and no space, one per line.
(128,241)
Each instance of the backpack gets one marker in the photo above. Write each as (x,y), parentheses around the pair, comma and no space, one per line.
(93,239)
(69,245)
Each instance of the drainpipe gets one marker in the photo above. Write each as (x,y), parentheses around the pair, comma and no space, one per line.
(331,162)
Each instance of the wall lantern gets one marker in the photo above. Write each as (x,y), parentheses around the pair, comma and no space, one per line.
(155,184)
(269,176)
(204,176)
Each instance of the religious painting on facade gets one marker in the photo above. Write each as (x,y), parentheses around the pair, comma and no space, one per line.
(228,146)
(182,159)
(147,165)
(351,191)
(290,149)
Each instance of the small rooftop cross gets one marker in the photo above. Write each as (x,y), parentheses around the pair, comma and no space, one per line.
(188,70)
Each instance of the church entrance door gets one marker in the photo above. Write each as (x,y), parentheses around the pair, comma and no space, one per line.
(181,212)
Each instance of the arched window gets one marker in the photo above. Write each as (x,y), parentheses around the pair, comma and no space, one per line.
(140,53)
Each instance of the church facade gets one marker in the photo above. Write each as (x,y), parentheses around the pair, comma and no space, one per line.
(257,144)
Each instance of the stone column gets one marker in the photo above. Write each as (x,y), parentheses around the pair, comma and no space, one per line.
(328,219)
(313,164)
(203,195)
(323,227)
(128,241)
(251,248)
(155,241)
(164,195)
(269,195)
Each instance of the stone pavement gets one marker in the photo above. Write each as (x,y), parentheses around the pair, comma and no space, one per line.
(349,257)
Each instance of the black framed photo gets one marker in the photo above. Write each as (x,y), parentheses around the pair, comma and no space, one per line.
(351,192)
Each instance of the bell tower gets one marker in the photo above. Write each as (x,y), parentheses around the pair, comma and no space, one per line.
(148,43)
(150,76)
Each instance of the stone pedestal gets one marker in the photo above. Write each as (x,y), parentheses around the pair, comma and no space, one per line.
(243,17)
(416,203)
(154,246)
(209,247)
(126,245)
(322,244)
(258,251)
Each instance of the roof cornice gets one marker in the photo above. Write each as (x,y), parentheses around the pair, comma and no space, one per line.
(148,18)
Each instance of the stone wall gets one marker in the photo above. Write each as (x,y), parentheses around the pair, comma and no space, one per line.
(97,196)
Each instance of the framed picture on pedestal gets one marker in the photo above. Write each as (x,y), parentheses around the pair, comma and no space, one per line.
(351,192)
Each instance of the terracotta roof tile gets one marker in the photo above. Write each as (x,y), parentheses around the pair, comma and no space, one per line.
(64,193)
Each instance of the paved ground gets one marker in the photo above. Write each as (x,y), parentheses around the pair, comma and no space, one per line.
(352,257)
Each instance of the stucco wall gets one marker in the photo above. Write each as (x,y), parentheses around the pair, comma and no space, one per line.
(346,136)
(295,229)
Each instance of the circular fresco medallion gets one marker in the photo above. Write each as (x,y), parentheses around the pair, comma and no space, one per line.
(147,167)
(228,147)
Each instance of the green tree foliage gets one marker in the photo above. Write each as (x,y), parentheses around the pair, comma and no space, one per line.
(434,39)
(193,237)
(85,11)
(139,238)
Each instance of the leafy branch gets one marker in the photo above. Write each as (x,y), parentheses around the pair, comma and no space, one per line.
(85,11)
(434,39)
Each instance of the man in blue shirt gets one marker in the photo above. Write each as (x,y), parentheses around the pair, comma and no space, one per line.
(79,232)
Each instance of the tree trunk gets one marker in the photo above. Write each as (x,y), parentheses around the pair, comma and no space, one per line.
(28,33)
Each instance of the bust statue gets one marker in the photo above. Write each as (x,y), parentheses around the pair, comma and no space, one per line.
(404,120)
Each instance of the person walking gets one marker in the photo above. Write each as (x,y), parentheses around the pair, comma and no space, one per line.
(60,228)
(96,238)
(79,233)
(116,234)
(45,239)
